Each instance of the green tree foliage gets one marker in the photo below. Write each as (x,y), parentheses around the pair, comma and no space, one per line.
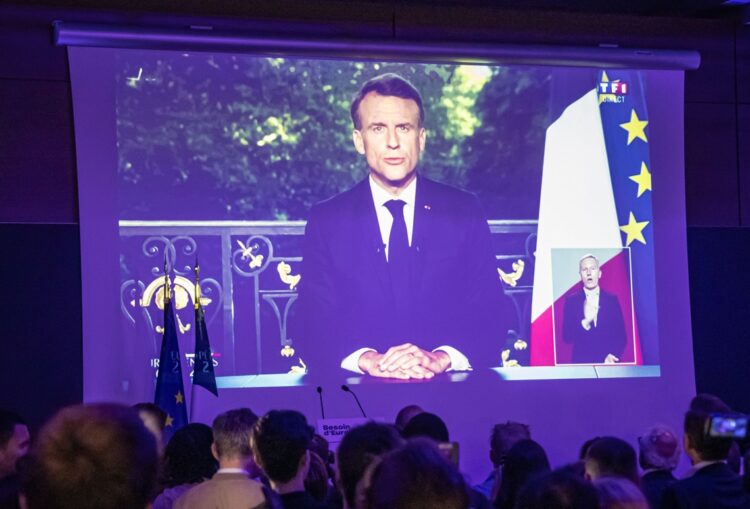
(504,158)
(204,136)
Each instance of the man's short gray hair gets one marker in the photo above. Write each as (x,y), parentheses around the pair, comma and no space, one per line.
(506,435)
(586,256)
(659,448)
(232,432)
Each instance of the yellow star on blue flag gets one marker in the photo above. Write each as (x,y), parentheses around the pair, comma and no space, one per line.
(634,230)
(643,179)
(635,128)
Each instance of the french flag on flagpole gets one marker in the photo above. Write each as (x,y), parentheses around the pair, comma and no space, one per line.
(596,199)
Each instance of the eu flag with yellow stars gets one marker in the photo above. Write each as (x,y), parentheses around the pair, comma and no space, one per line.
(203,370)
(170,392)
(624,113)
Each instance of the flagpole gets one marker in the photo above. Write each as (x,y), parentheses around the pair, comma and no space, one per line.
(167,292)
(167,289)
(164,329)
(196,304)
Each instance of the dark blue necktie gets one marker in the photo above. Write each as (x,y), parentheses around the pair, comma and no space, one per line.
(398,241)
(399,268)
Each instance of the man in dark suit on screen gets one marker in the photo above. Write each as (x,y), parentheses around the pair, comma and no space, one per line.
(592,319)
(398,276)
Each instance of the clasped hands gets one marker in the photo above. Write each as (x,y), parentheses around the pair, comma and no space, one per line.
(589,315)
(404,362)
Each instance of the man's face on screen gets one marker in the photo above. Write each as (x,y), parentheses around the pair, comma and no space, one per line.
(590,273)
(390,138)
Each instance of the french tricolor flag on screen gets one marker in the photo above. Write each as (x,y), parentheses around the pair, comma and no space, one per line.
(596,197)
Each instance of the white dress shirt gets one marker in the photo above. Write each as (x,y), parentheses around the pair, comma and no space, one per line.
(231,470)
(380,196)
(385,219)
(590,308)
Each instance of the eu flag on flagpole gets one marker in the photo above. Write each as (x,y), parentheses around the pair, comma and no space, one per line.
(203,368)
(170,392)
(622,101)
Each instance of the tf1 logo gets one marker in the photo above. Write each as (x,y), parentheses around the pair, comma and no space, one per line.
(613,87)
(612,91)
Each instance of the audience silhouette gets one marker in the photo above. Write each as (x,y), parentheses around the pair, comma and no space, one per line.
(108,456)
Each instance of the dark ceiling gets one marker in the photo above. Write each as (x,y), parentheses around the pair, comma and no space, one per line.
(241,8)
(677,8)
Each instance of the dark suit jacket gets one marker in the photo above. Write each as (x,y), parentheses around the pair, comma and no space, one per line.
(301,500)
(654,484)
(712,487)
(9,488)
(346,297)
(593,345)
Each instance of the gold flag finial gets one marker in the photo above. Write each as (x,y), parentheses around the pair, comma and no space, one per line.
(197,284)
(167,285)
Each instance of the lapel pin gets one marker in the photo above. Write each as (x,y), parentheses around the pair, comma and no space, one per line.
(428,207)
